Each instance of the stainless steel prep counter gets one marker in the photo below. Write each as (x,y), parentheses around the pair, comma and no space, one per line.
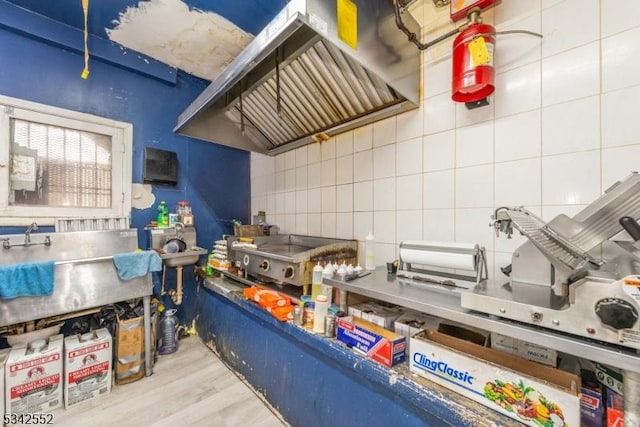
(445,303)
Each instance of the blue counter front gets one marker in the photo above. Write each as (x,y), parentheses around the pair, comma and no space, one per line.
(315,381)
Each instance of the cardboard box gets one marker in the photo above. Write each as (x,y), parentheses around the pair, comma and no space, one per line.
(377,343)
(377,314)
(413,322)
(129,363)
(4,354)
(526,391)
(592,409)
(87,366)
(33,377)
(525,349)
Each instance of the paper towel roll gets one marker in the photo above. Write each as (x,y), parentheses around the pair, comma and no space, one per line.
(438,259)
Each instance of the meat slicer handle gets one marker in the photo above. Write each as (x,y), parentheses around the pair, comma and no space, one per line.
(631,226)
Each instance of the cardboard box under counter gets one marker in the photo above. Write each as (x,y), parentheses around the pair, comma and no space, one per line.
(529,392)
(87,366)
(33,377)
(377,343)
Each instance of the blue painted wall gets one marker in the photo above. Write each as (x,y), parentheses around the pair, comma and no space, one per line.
(214,178)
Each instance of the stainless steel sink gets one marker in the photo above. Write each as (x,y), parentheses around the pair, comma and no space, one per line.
(188,257)
(158,238)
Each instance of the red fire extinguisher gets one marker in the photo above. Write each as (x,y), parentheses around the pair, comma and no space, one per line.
(473,72)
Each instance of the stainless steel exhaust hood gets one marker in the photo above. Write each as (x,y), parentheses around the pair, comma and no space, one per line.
(321,67)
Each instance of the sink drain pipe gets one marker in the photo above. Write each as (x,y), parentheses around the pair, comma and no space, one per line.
(176,294)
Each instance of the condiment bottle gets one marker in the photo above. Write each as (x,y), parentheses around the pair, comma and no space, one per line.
(316,281)
(322,309)
(370,252)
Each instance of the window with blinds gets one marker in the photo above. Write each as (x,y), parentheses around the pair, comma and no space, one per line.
(57,163)
(63,167)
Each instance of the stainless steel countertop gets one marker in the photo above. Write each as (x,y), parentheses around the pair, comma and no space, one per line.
(445,303)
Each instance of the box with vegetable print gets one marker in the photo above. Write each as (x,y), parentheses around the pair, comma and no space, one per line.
(534,394)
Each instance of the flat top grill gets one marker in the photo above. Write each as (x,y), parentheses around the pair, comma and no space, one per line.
(283,250)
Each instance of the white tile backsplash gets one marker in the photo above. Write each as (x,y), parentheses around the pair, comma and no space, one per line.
(344,198)
(328,149)
(518,183)
(560,128)
(384,226)
(344,225)
(571,179)
(314,200)
(438,225)
(472,227)
(344,169)
(409,225)
(571,126)
(314,175)
(439,151)
(437,77)
(363,138)
(363,166)
(620,124)
(301,156)
(384,194)
(409,157)
(515,11)
(517,50)
(384,132)
(362,224)
(289,202)
(621,60)
(409,125)
(302,224)
(363,196)
(439,190)
(302,202)
(571,74)
(439,114)
(329,199)
(619,15)
(301,182)
(562,34)
(314,224)
(328,172)
(409,192)
(474,144)
(474,186)
(384,162)
(329,225)
(289,179)
(618,163)
(313,153)
(518,136)
(517,90)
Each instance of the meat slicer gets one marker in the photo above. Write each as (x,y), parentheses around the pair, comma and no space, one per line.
(577,275)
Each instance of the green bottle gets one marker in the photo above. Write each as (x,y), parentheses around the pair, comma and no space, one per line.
(163,214)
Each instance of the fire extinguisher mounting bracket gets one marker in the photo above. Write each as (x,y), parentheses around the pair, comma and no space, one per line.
(476,104)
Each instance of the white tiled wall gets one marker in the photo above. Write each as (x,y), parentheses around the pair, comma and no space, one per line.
(562,126)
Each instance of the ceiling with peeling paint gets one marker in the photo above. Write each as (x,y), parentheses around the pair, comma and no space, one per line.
(200,37)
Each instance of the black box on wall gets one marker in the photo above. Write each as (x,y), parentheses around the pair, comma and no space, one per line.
(160,167)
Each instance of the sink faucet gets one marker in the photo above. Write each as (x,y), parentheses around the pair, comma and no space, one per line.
(179,227)
(27,234)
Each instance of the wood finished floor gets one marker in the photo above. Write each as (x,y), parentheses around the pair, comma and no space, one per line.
(191,387)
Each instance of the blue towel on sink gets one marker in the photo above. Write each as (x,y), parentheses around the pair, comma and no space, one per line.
(29,279)
(130,265)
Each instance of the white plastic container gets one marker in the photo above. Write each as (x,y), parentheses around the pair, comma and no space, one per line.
(322,309)
(370,252)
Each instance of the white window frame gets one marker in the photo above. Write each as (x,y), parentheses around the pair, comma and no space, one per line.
(121,165)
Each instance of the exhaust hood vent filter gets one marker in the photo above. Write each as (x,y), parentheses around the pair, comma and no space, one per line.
(290,85)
